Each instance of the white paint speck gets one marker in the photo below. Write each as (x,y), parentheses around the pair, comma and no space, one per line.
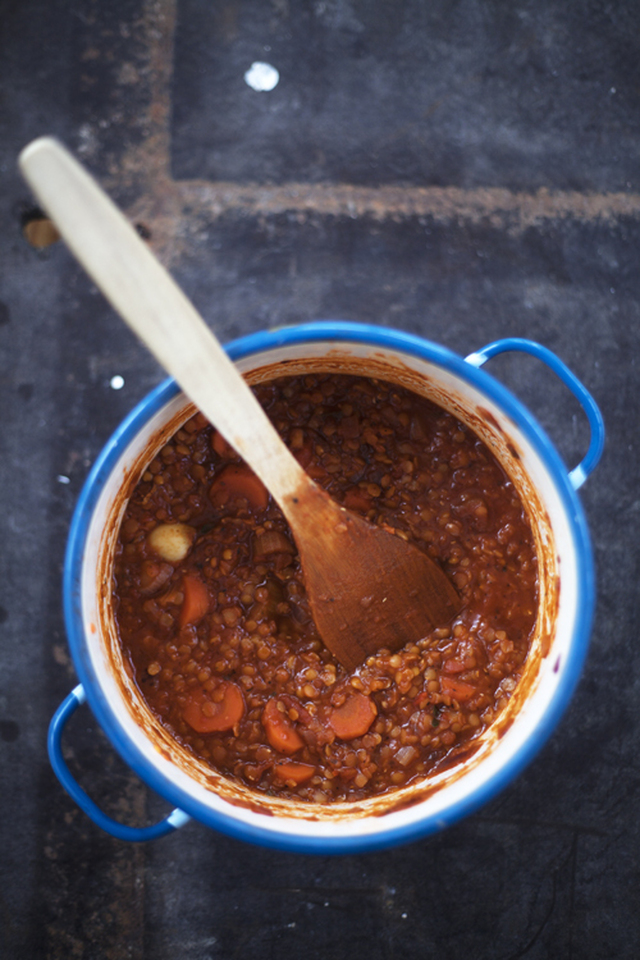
(613,90)
(117,382)
(62,479)
(404,916)
(262,76)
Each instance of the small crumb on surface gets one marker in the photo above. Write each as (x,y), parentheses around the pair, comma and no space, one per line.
(41,232)
(262,77)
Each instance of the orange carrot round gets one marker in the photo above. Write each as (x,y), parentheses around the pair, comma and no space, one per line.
(207,715)
(197,600)
(296,772)
(281,733)
(457,689)
(220,445)
(237,482)
(354,717)
(356,499)
(453,666)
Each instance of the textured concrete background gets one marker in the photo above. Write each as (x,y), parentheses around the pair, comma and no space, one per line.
(464,170)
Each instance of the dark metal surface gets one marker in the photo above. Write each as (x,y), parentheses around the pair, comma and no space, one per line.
(465,171)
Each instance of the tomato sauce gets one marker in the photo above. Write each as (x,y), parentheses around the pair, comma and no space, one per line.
(212,614)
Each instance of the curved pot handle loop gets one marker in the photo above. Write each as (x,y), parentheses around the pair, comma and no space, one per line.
(177,818)
(579,474)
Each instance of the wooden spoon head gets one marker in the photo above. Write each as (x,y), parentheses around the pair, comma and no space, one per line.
(368,589)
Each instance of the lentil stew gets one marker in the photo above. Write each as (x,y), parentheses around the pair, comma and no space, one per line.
(213,620)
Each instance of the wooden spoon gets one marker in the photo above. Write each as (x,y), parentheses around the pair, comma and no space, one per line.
(367,588)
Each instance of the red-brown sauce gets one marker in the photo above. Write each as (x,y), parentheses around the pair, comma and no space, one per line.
(212,615)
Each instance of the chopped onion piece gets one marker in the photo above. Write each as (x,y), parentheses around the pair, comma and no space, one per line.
(272,541)
(405,755)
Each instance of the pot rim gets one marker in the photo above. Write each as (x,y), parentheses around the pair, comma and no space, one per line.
(386,836)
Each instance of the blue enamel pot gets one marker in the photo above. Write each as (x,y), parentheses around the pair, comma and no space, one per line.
(559,646)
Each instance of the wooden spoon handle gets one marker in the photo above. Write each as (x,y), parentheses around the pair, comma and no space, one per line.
(153,305)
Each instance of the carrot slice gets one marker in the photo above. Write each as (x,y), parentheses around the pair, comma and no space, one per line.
(206,715)
(238,482)
(457,689)
(297,772)
(453,666)
(356,499)
(354,717)
(197,600)
(220,445)
(281,733)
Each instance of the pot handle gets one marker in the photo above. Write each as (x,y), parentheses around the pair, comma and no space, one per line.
(579,474)
(177,818)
